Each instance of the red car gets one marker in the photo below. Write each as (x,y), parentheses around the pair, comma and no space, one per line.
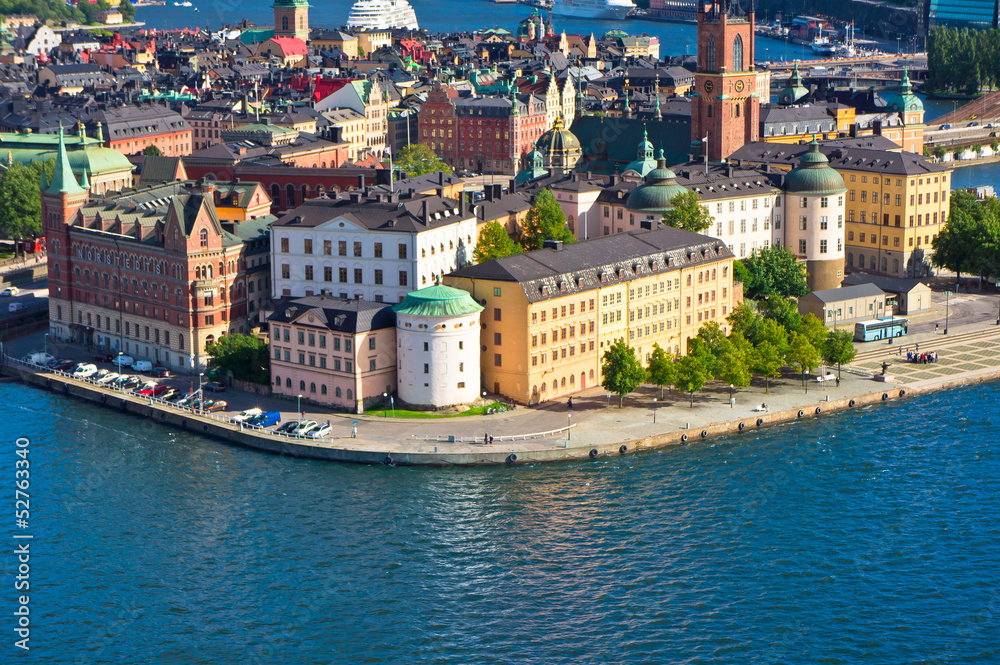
(215,387)
(153,389)
(102,357)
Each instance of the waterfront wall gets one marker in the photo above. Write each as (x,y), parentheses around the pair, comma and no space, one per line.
(372,452)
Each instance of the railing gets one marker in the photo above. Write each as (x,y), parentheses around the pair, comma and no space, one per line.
(475,439)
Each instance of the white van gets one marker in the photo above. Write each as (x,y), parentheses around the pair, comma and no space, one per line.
(123,361)
(142,366)
(37,358)
(244,416)
(84,370)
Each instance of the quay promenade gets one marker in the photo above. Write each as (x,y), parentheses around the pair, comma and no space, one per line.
(594,427)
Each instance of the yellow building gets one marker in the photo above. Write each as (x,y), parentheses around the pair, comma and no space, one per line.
(897,203)
(551,314)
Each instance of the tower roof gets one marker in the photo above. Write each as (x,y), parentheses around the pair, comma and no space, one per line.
(63,180)
(814,175)
(438,301)
(904,99)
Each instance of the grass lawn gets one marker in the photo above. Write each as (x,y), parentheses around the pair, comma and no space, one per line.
(406,413)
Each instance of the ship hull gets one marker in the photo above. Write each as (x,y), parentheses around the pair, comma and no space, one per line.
(591,12)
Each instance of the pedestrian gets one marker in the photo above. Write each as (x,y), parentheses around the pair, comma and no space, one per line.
(916,347)
(570,403)
(354,431)
(491,439)
(936,326)
(838,381)
(486,439)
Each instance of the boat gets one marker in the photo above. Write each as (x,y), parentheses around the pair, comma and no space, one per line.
(822,45)
(598,9)
(382,15)
(182,4)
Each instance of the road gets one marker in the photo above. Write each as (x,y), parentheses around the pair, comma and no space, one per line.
(34,297)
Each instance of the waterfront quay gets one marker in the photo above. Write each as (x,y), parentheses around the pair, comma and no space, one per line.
(593,427)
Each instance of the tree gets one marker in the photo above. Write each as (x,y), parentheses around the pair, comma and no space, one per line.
(766,360)
(838,348)
(246,356)
(622,372)
(813,329)
(692,375)
(802,354)
(771,331)
(958,246)
(773,271)
(784,311)
(978,149)
(151,151)
(20,199)
(418,159)
(661,370)
(687,213)
(733,364)
(545,221)
(128,11)
(744,320)
(940,151)
(494,243)
(994,144)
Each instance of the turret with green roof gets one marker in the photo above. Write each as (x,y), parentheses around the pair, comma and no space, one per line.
(63,180)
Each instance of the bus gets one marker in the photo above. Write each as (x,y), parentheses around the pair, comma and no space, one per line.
(869,331)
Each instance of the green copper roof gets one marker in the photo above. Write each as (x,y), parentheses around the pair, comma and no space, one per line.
(63,181)
(438,301)
(655,193)
(905,100)
(795,90)
(814,175)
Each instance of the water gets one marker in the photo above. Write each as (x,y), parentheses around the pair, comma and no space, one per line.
(439,16)
(867,537)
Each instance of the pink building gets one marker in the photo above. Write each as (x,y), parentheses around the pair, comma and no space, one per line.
(335,352)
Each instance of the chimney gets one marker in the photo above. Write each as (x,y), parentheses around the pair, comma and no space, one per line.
(441,178)
(355,197)
(614,179)
(361,181)
(423,210)
(553,244)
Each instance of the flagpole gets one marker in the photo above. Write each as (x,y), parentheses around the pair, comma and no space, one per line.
(705,141)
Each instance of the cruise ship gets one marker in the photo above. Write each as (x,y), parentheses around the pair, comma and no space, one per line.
(604,9)
(382,15)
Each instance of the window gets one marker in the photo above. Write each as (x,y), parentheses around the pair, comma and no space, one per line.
(497,360)
(496,314)
(402,278)
(286,271)
(327,247)
(378,276)
(203,238)
(342,248)
(342,275)
(284,245)
(710,55)
(357,276)
(402,251)
(802,246)
(309,273)
(307,246)
(496,339)
(357,249)
(327,274)
(378,250)
(802,223)
(822,246)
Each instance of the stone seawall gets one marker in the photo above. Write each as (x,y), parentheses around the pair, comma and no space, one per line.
(362,451)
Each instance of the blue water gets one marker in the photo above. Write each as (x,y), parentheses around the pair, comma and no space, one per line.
(867,537)
(439,16)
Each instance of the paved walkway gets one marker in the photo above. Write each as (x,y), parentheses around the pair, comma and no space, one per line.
(965,354)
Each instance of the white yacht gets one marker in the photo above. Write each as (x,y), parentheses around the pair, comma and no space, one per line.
(382,15)
(603,9)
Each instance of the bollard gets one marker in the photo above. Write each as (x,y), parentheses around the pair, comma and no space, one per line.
(687,425)
(435,448)
(565,444)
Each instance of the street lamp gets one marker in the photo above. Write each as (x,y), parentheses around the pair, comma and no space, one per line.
(654,410)
(389,152)
(946,310)
(569,426)
(384,399)
(201,395)
(300,406)
(45,349)
(732,401)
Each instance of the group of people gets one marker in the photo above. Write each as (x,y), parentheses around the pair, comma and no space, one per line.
(924,358)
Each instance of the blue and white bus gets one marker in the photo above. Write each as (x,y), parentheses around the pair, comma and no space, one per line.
(869,331)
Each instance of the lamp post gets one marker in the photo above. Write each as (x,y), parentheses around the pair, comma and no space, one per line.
(300,406)
(947,295)
(45,349)
(654,410)
(732,401)
(384,397)
(201,395)
(392,405)
(569,426)
(389,152)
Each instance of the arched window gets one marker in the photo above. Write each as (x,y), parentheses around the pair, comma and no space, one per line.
(203,237)
(895,265)
(290,195)
(710,55)
(738,54)
(288,383)
(872,262)
(885,264)
(336,391)
(850,260)
(312,387)
(277,381)
(302,385)
(284,23)
(305,192)
(350,394)
(275,192)
(322,389)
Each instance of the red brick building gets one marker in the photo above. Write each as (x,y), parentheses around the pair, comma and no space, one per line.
(154,274)
(726,106)
(484,134)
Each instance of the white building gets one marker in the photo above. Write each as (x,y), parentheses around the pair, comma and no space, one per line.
(378,248)
(437,347)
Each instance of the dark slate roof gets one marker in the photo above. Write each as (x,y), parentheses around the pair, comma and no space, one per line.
(590,264)
(336,314)
(724,181)
(848,293)
(889,284)
(415,214)
(856,159)
(616,139)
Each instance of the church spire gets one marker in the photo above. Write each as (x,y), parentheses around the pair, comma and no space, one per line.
(628,109)
(63,181)
(656,93)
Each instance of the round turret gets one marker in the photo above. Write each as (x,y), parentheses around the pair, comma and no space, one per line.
(814,175)
(644,161)
(655,193)
(795,90)
(559,147)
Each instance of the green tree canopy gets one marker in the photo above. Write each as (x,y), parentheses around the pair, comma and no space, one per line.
(687,213)
(802,354)
(494,243)
(418,159)
(621,370)
(772,271)
(128,11)
(545,221)
(766,360)
(661,370)
(151,151)
(744,320)
(838,348)
(43,9)
(21,200)
(970,242)
(733,364)
(812,329)
(784,311)
(692,375)
(246,356)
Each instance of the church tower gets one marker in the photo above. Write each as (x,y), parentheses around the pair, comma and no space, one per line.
(726,107)
(291,18)
(61,199)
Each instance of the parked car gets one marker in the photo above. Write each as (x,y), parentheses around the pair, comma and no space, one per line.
(36,358)
(100,374)
(124,361)
(119,383)
(103,357)
(161,372)
(215,387)
(169,394)
(108,378)
(84,371)
(244,416)
(287,427)
(62,364)
(945,126)
(10,291)
(218,405)
(974,123)
(142,366)
(153,389)
(304,428)
(265,419)
(319,432)
(15,307)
